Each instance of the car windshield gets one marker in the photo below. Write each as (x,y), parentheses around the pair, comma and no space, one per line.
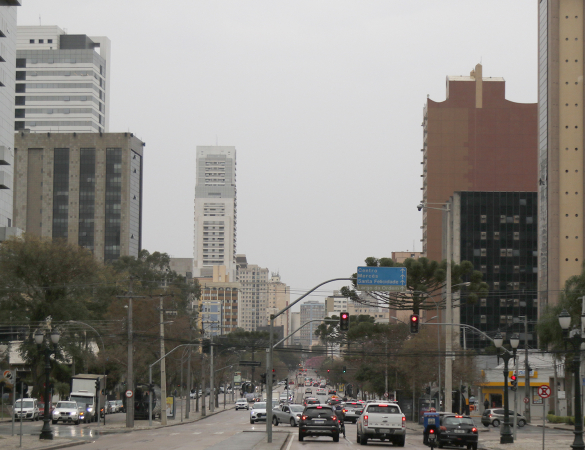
(82,400)
(68,405)
(383,409)
(25,403)
(259,405)
(242,400)
(458,421)
(296,408)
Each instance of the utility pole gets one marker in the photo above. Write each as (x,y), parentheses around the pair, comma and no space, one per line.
(130,367)
(203,393)
(449,317)
(526,371)
(211,377)
(163,372)
(188,408)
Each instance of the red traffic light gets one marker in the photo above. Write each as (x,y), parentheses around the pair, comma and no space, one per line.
(513,377)
(414,318)
(344,316)
(327,370)
(274,370)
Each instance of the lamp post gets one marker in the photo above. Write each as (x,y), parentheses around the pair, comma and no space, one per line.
(575,339)
(46,432)
(506,436)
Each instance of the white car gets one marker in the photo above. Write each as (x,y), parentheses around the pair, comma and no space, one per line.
(26,408)
(67,412)
(258,411)
(242,403)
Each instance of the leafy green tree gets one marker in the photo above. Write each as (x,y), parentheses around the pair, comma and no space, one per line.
(425,279)
(45,284)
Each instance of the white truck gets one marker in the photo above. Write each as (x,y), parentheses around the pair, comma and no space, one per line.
(87,392)
(381,420)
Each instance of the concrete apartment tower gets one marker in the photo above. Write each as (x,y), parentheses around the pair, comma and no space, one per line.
(253,300)
(7,83)
(561,30)
(278,299)
(85,188)
(310,310)
(62,81)
(215,212)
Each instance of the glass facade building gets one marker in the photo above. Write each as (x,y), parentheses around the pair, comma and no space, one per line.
(498,234)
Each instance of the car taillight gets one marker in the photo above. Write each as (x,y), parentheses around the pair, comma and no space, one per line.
(490,415)
(474,430)
(442,428)
(334,418)
(344,410)
(366,420)
(431,431)
(304,418)
(403,421)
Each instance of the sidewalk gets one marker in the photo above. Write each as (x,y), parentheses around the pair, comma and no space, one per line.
(32,441)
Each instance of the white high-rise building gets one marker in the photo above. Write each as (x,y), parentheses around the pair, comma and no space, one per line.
(215,212)
(62,81)
(7,74)
(253,299)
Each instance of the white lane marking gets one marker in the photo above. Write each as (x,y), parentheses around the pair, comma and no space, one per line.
(219,432)
(174,434)
(350,443)
(290,442)
(197,432)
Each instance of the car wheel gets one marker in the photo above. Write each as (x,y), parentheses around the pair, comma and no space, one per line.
(363,440)
(53,422)
(301,437)
(496,423)
(400,442)
(357,439)
(521,423)
(292,422)
(275,421)
(440,445)
(474,447)
(77,422)
(251,421)
(336,438)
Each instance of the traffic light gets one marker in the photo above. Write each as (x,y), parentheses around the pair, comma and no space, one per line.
(97,385)
(327,370)
(344,321)
(206,346)
(263,378)
(514,382)
(344,369)
(273,377)
(414,319)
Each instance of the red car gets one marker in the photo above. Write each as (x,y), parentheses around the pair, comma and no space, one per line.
(42,409)
(291,382)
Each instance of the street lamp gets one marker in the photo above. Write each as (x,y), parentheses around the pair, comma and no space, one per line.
(506,436)
(575,339)
(46,432)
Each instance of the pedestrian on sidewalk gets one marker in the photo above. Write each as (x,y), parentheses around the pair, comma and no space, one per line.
(486,404)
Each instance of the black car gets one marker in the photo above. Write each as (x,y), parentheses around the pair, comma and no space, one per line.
(319,420)
(457,430)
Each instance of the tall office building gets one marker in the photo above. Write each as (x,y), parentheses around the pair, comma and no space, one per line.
(475,140)
(561,30)
(85,188)
(7,73)
(253,300)
(62,81)
(218,304)
(310,310)
(278,299)
(215,211)
(497,232)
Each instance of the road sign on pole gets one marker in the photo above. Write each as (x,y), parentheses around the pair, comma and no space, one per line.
(381,278)
(526,399)
(544,391)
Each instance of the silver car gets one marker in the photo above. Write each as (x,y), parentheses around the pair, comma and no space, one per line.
(242,403)
(287,414)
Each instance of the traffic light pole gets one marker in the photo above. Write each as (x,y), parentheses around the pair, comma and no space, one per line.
(269,355)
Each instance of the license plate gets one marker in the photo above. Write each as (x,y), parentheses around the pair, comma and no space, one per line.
(460,431)
(384,430)
(318,421)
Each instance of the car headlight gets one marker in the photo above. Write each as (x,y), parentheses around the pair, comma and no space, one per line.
(90,408)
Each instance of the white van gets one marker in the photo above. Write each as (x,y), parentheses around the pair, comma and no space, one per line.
(27,408)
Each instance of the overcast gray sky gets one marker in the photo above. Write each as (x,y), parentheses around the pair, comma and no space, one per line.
(322,99)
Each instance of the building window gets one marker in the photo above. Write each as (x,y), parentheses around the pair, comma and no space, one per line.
(483,302)
(517,302)
(516,269)
(483,268)
(483,318)
(516,219)
(49,41)
(483,218)
(41,41)
(483,235)
(503,319)
(31,41)
(503,302)
(496,269)
(503,252)
(516,235)
(496,285)
(483,252)
(502,219)
(496,235)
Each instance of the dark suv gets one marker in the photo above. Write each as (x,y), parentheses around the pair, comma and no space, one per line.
(457,430)
(319,420)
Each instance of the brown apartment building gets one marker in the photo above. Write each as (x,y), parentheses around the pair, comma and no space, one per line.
(475,140)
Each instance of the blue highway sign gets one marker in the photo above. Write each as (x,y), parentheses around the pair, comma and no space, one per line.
(381,278)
